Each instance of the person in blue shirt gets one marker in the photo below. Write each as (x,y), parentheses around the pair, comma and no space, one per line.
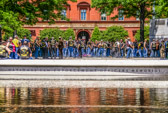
(25,40)
(166,48)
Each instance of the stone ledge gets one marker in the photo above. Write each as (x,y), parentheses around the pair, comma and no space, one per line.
(86,63)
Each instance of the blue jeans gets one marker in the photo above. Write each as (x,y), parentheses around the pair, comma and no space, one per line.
(65,52)
(135,52)
(36,52)
(140,53)
(121,53)
(16,55)
(75,52)
(88,51)
(108,52)
(101,52)
(40,52)
(153,53)
(12,55)
(70,51)
(158,53)
(145,53)
(128,52)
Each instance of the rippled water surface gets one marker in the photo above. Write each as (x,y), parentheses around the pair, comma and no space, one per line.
(81,100)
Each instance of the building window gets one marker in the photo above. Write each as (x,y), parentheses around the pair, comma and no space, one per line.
(137,17)
(134,32)
(83,14)
(33,32)
(120,15)
(103,17)
(63,13)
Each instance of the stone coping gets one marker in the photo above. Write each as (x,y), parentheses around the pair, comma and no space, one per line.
(83,84)
(86,63)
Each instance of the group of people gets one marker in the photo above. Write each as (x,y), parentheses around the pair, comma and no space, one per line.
(24,49)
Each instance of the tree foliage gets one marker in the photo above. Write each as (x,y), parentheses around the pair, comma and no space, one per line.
(162,9)
(15,13)
(21,32)
(114,33)
(141,9)
(146,34)
(96,34)
(56,33)
(69,32)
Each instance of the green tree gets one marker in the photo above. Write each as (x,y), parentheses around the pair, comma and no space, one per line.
(69,32)
(56,33)
(21,32)
(114,33)
(15,13)
(162,9)
(141,9)
(146,33)
(96,34)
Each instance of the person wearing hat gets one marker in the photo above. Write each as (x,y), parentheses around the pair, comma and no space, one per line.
(16,42)
(2,50)
(70,47)
(60,47)
(24,51)
(27,40)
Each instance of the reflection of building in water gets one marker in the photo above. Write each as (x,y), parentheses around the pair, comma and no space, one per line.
(2,96)
(74,99)
(54,96)
(129,97)
(24,96)
(89,96)
(146,97)
(161,97)
(38,96)
(111,96)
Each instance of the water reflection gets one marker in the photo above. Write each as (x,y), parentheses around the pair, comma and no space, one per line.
(76,100)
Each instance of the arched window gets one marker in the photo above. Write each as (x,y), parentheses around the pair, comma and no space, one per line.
(84,9)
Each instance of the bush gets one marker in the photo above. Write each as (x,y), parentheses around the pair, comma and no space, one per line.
(69,32)
(96,34)
(21,32)
(114,33)
(146,34)
(56,33)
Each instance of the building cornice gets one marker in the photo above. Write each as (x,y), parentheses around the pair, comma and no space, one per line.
(94,22)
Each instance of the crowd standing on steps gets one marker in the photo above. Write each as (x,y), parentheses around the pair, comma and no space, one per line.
(52,49)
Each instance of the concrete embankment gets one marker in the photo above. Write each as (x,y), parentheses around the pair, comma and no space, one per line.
(84,73)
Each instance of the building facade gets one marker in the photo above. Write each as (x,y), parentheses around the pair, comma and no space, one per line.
(83,20)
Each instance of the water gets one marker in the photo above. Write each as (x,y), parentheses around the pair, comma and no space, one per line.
(83,100)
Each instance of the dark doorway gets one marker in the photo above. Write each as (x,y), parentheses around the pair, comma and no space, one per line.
(84,35)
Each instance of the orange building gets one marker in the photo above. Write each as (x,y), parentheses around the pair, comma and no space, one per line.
(83,20)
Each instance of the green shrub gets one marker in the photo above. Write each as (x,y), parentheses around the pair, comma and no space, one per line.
(56,33)
(96,34)
(114,33)
(69,32)
(146,33)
